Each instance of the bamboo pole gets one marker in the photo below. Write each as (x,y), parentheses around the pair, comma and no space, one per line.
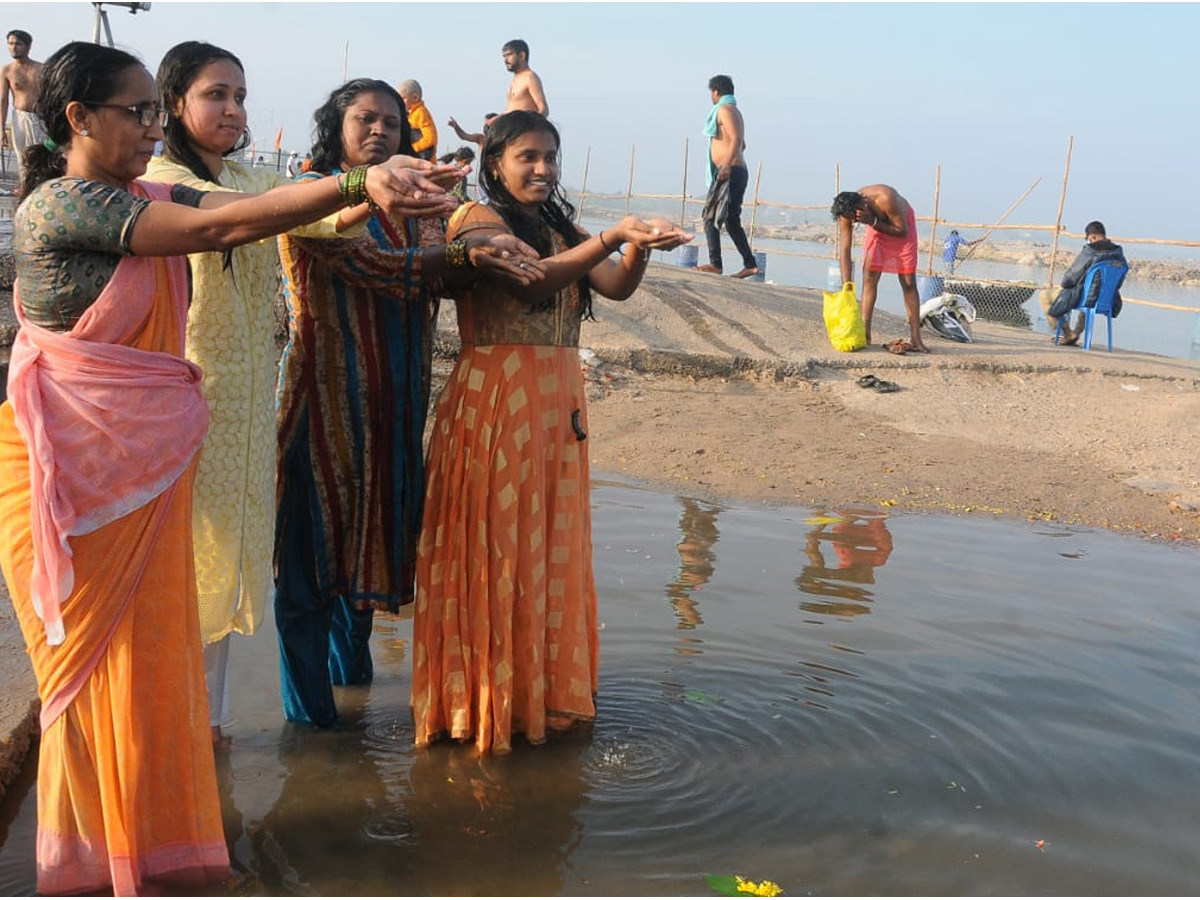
(345,62)
(837,189)
(754,211)
(937,193)
(1062,199)
(629,190)
(683,196)
(587,159)
(1000,221)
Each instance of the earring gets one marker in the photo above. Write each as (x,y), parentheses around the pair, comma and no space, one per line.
(84,132)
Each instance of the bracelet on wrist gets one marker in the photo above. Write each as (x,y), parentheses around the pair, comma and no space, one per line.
(352,184)
(604,245)
(457,256)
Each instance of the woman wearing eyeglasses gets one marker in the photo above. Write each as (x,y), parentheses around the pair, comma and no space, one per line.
(98,447)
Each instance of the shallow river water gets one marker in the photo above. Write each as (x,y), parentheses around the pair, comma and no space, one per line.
(841,702)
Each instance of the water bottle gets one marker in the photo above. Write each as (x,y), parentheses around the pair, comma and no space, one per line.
(833,281)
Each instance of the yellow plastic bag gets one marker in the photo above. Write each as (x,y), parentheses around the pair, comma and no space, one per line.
(843,320)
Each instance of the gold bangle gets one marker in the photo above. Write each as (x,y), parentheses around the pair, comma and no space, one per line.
(457,256)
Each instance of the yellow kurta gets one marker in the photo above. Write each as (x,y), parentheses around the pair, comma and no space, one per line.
(231,336)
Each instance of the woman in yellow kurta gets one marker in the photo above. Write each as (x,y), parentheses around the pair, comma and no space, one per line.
(504,633)
(231,336)
(98,441)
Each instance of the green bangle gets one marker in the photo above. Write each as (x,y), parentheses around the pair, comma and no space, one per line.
(353,186)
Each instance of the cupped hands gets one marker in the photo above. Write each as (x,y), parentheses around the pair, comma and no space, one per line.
(505,258)
(410,191)
(653,234)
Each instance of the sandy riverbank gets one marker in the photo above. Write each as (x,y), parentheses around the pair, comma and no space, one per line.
(724,389)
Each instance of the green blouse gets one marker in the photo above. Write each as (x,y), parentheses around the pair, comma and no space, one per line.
(68,237)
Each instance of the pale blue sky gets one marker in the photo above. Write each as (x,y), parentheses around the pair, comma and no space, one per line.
(989,91)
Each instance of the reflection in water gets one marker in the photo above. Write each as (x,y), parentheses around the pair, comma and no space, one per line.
(495,824)
(697,535)
(860,541)
(317,837)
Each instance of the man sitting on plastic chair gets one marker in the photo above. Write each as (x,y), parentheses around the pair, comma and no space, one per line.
(1097,249)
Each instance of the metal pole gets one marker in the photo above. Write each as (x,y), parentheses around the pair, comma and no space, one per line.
(1058,219)
(937,192)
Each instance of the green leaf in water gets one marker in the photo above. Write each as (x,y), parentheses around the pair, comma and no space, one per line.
(725,885)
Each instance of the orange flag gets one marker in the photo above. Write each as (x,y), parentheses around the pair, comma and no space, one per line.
(279,139)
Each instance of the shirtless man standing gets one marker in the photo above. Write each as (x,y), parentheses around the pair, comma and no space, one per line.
(727,178)
(19,79)
(890,245)
(525,92)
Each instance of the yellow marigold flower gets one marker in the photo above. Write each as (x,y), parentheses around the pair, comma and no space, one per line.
(762,889)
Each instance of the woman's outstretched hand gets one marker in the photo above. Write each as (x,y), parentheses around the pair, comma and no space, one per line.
(505,258)
(410,191)
(652,234)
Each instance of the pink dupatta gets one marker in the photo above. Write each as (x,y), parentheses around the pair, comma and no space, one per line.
(108,427)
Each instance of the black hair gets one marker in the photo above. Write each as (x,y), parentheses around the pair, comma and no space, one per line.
(327,151)
(555,214)
(846,204)
(23,36)
(1095,228)
(176,73)
(462,154)
(516,45)
(722,84)
(78,71)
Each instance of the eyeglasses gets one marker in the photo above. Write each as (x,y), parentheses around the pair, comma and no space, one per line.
(145,114)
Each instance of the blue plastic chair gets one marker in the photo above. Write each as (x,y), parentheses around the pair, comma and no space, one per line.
(1111,273)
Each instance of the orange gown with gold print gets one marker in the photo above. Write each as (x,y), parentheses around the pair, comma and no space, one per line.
(505,638)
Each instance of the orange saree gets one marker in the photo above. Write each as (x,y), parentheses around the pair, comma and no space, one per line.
(97,456)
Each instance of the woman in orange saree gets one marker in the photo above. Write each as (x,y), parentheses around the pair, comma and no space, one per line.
(98,443)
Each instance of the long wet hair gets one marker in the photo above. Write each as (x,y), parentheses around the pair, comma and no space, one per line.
(176,73)
(328,151)
(556,214)
(77,71)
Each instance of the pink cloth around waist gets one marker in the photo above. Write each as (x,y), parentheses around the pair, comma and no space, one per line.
(108,427)
(887,253)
